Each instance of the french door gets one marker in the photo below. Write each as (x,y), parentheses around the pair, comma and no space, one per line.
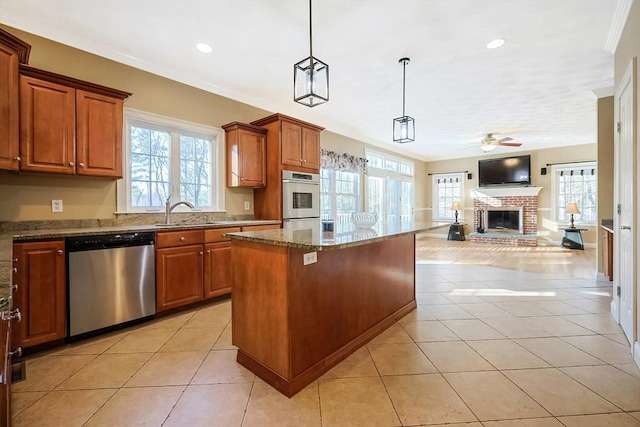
(390,197)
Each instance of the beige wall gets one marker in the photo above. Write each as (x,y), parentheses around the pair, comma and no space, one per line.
(29,197)
(605,167)
(547,229)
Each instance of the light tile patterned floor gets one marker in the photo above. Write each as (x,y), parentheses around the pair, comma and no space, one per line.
(487,346)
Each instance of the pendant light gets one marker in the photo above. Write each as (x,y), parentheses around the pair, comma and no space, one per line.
(311,77)
(404,128)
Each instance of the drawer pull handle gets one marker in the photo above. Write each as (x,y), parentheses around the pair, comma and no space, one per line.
(182,238)
(16,353)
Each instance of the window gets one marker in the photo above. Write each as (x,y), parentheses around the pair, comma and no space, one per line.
(576,182)
(389,187)
(167,157)
(339,195)
(447,188)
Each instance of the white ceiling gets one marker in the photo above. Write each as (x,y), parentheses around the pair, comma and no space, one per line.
(537,88)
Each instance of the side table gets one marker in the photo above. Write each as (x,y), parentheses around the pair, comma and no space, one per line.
(456,232)
(573,238)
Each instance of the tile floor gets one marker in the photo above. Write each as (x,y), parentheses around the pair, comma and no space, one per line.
(486,346)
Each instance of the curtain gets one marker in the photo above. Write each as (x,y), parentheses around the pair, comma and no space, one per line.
(342,162)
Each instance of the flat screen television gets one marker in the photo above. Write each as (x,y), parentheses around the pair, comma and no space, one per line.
(505,171)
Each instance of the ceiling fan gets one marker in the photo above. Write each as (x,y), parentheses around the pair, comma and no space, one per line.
(489,142)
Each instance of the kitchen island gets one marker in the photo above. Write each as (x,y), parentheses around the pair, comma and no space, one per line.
(303,300)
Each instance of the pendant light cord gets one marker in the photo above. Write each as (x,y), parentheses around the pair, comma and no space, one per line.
(310,35)
(404,70)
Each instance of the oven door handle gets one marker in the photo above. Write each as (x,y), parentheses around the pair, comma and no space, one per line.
(301,181)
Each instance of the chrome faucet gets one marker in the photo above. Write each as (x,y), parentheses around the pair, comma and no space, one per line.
(168,208)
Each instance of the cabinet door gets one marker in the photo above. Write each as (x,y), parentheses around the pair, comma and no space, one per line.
(47,126)
(252,159)
(311,149)
(291,149)
(9,108)
(41,293)
(178,276)
(217,269)
(99,141)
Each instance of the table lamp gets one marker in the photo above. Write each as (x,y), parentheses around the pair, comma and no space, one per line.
(457,207)
(572,208)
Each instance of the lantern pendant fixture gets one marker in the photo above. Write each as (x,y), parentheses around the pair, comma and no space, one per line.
(311,77)
(404,128)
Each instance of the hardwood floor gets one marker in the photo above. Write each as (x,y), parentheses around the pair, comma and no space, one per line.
(540,259)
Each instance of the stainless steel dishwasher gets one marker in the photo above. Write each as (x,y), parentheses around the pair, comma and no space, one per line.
(111,281)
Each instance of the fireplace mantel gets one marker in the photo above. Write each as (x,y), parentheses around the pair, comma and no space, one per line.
(505,191)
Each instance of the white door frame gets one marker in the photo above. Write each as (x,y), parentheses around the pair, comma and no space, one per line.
(625,307)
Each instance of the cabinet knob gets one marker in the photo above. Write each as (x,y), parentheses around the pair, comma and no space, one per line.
(301,160)
(70,163)
(15,270)
(201,253)
(208,251)
(241,179)
(14,287)
(182,239)
(17,158)
(16,353)
(60,252)
(81,164)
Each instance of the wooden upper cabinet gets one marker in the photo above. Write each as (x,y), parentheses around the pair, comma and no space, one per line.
(310,148)
(291,144)
(246,155)
(69,126)
(9,107)
(99,138)
(47,126)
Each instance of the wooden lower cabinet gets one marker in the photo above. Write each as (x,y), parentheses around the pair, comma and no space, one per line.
(217,269)
(40,277)
(178,276)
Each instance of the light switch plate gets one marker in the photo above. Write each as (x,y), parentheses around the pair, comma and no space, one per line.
(56,206)
(310,258)
(247,206)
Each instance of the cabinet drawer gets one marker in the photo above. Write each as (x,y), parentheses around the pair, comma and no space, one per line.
(178,238)
(217,234)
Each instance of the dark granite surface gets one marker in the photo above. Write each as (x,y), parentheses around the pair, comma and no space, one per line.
(39,230)
(607,224)
(312,237)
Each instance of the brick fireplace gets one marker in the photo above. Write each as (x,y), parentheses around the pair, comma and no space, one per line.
(518,203)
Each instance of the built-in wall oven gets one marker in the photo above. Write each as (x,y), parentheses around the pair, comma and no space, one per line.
(300,196)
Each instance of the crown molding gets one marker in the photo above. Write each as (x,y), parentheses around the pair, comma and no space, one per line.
(617,25)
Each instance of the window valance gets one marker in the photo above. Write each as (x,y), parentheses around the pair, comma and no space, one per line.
(342,162)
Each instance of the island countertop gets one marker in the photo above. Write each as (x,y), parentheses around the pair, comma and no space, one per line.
(313,238)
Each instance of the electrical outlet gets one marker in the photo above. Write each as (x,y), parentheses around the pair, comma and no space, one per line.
(310,258)
(56,206)
(247,206)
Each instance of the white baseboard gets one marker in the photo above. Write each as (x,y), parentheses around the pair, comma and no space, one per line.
(636,353)
(437,235)
(614,310)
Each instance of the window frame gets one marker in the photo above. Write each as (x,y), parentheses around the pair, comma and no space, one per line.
(435,196)
(179,127)
(387,173)
(555,195)
(334,194)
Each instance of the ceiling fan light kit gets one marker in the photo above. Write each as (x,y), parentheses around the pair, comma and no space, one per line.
(404,128)
(489,143)
(311,77)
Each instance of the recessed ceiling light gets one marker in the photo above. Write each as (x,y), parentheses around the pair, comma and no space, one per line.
(204,48)
(494,44)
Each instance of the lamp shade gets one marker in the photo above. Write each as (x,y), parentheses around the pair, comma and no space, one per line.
(456,206)
(488,147)
(572,208)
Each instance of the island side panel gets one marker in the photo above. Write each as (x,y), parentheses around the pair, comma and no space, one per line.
(259,304)
(345,294)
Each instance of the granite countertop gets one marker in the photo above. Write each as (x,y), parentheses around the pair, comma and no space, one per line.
(34,233)
(313,238)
